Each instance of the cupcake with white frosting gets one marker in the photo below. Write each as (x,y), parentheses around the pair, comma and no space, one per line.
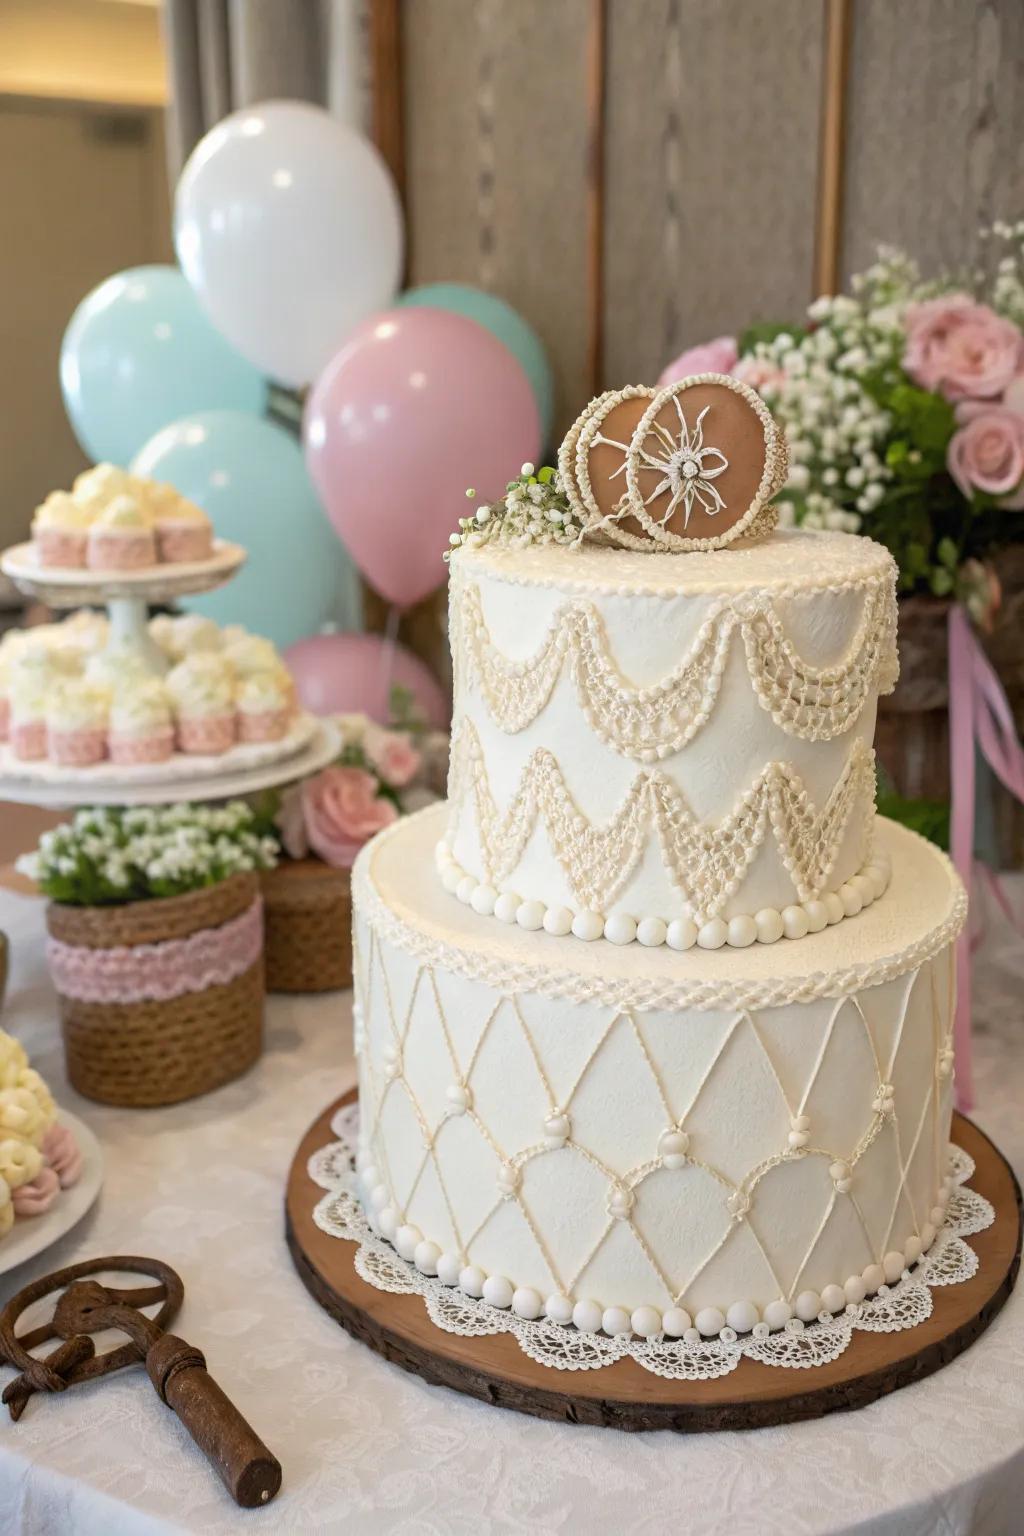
(141,722)
(96,488)
(76,723)
(264,707)
(183,530)
(60,531)
(28,717)
(116,665)
(202,690)
(121,538)
(253,656)
(85,630)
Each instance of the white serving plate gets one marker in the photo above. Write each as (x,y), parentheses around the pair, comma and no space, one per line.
(72,587)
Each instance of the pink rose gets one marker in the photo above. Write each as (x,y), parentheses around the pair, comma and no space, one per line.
(718,356)
(393,755)
(962,349)
(986,453)
(61,1152)
(342,811)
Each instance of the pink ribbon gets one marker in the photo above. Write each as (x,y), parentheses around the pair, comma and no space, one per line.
(979,716)
(213,957)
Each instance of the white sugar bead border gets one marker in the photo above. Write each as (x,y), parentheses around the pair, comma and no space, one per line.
(766,926)
(815,1328)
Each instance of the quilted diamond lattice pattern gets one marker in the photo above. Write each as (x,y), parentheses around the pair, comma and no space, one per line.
(526,1135)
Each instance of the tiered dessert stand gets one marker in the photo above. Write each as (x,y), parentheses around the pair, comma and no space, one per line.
(129,596)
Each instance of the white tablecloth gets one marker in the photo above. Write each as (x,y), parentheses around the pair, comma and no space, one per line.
(366,1448)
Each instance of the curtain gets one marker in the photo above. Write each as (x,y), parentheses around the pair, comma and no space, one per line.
(225,54)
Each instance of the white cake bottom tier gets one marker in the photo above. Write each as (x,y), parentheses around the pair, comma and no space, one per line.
(654,1140)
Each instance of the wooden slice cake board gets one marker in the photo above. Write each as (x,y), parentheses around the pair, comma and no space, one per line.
(624,1395)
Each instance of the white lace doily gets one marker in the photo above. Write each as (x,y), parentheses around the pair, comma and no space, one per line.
(563,1347)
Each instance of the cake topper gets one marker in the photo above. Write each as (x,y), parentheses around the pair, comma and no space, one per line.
(693,466)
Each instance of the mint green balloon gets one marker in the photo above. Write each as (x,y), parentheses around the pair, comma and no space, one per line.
(250,478)
(138,353)
(502,321)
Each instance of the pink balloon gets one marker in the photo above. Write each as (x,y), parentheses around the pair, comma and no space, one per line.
(417,406)
(354,674)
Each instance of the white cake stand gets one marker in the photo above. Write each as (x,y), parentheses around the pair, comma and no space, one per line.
(127,595)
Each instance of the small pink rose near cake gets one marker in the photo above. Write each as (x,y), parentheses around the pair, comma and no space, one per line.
(115,521)
(76,723)
(202,689)
(122,538)
(38,1157)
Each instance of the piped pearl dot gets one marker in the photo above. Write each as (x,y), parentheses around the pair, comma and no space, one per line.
(676,1322)
(588,1316)
(458,1097)
(795,922)
(451,875)
(673,1146)
(851,899)
(855,1290)
(833,909)
(877,879)
(651,933)
(817,915)
(406,1240)
(742,1316)
(769,925)
(558,921)
(777,1314)
(807,1306)
(742,932)
(530,915)
(927,1236)
(449,1268)
(709,1322)
(893,1265)
(912,1250)
(426,1256)
(556,1130)
(378,1198)
(712,935)
(387,1221)
(506,907)
(527,1303)
(483,900)
(620,928)
(471,1280)
(559,1308)
(936,1215)
(681,934)
(465,888)
(646,1321)
(864,889)
(498,1291)
(620,1202)
(873,1276)
(616,1320)
(833,1298)
(588,926)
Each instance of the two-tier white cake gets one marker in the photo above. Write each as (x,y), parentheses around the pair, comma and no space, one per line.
(654,1017)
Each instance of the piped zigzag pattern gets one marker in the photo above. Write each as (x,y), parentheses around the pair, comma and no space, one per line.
(705,861)
(647,723)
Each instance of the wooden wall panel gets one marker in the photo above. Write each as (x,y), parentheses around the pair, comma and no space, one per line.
(711,163)
(495,134)
(935,141)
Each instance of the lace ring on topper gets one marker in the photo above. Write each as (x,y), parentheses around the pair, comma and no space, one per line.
(602,436)
(702,465)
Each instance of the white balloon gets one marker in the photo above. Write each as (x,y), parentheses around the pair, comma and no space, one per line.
(289,229)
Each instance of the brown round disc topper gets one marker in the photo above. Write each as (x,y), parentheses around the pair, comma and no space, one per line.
(693,466)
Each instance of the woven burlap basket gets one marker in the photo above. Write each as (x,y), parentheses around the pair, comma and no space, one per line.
(307,909)
(161,1051)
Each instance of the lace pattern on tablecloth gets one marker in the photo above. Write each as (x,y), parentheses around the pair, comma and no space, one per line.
(563,1347)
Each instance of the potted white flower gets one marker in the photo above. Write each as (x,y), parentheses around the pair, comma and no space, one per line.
(156,947)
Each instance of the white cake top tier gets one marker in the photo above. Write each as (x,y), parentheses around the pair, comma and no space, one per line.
(668,746)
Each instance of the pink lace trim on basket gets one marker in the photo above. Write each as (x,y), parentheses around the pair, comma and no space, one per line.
(137,973)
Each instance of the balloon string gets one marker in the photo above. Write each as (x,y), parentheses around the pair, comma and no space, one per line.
(389,655)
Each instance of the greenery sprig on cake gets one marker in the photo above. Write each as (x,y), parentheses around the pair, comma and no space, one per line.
(533,510)
(106,856)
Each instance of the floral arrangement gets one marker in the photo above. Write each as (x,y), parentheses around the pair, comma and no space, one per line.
(903,408)
(533,510)
(106,856)
(381,773)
